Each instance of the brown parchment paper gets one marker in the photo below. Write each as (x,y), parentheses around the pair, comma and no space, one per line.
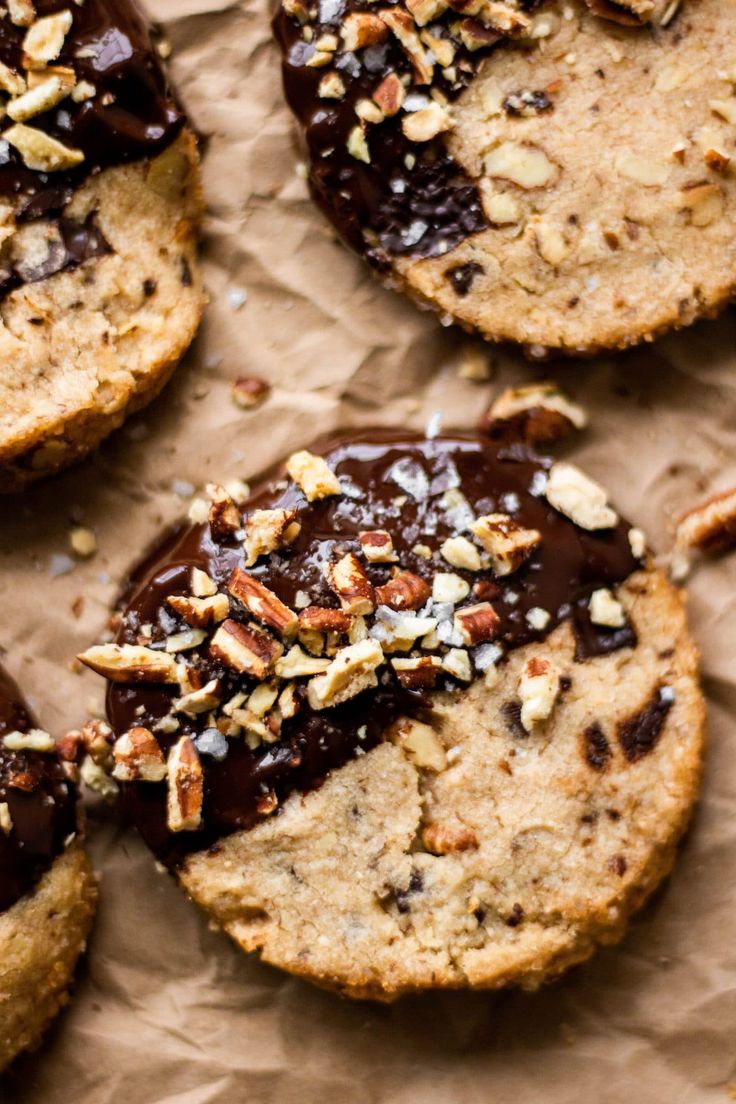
(168,1012)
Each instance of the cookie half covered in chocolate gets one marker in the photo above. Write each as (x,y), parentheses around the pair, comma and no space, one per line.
(555,174)
(100,292)
(416,713)
(47,889)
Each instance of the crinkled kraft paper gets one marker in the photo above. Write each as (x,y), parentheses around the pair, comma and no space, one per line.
(168,1012)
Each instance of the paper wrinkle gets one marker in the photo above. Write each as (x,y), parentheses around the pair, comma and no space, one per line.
(168,1012)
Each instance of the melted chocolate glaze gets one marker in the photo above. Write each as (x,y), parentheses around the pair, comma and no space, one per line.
(131,116)
(375,471)
(40,799)
(411,199)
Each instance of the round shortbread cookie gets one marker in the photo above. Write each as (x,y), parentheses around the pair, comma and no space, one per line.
(47,889)
(100,291)
(423,716)
(579,192)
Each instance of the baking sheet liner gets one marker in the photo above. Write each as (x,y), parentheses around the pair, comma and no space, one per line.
(167,1011)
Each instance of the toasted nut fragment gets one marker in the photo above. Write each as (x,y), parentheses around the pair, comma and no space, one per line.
(417,672)
(508,544)
(200,612)
(446,839)
(289,704)
(457,663)
(350,583)
(297,664)
(448,587)
(369,111)
(202,585)
(460,552)
(637,543)
(420,742)
(425,11)
(473,35)
(39,99)
(245,648)
(711,526)
(501,208)
(130,663)
(21,12)
(262,698)
(579,497)
(96,737)
(402,26)
(390,95)
(539,687)
(224,516)
(267,531)
(628,12)
(44,39)
(204,699)
(377,546)
(717,160)
(404,592)
(249,392)
(704,202)
(266,606)
(498,15)
(313,641)
(323,620)
(138,757)
(427,123)
(350,672)
(36,739)
(358,145)
(40,151)
(361,29)
(10,81)
(313,475)
(6,820)
(97,778)
(606,610)
(548,415)
(527,166)
(331,87)
(185,793)
(186,640)
(477,624)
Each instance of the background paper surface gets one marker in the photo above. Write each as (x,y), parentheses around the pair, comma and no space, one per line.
(168,1012)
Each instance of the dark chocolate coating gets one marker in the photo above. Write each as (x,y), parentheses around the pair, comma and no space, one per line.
(40,799)
(568,565)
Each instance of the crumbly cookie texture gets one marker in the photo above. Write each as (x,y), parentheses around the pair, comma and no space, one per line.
(603,158)
(41,938)
(508,860)
(83,349)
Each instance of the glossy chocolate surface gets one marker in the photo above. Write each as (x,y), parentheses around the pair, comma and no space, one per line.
(40,800)
(391,482)
(132,114)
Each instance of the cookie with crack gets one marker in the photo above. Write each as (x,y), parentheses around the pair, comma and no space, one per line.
(47,889)
(100,291)
(419,713)
(555,174)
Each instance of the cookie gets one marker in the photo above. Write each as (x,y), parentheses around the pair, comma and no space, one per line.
(545,174)
(47,889)
(419,713)
(100,291)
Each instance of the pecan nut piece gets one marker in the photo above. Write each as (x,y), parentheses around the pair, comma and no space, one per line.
(245,648)
(377,546)
(711,526)
(138,757)
(313,475)
(266,606)
(352,671)
(268,531)
(224,516)
(405,592)
(322,620)
(631,13)
(508,544)
(539,688)
(417,672)
(420,742)
(130,663)
(541,411)
(347,578)
(477,624)
(185,787)
(446,839)
(200,612)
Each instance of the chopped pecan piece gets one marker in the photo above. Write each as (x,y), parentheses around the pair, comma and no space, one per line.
(44,39)
(462,553)
(350,672)
(348,579)
(390,95)
(313,475)
(245,648)
(297,664)
(446,839)
(200,612)
(185,787)
(361,29)
(130,663)
(377,546)
(224,516)
(606,610)
(36,739)
(539,687)
(508,544)
(711,526)
(268,531)
(202,700)
(266,606)
(417,672)
(631,13)
(401,24)
(404,592)
(579,497)
(477,624)
(322,620)
(248,392)
(138,757)
(543,410)
(420,742)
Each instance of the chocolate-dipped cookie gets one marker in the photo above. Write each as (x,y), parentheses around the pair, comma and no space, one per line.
(47,888)
(554,174)
(418,713)
(100,291)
